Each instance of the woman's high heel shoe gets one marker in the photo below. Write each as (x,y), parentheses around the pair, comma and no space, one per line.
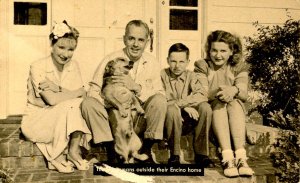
(64,163)
(60,167)
(80,164)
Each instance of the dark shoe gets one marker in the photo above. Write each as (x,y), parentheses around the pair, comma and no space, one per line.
(204,161)
(112,156)
(146,149)
(114,160)
(174,160)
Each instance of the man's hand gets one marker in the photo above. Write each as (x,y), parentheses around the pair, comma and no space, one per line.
(47,85)
(226,93)
(127,81)
(193,113)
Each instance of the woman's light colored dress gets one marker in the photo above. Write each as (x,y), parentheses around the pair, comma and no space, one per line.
(50,126)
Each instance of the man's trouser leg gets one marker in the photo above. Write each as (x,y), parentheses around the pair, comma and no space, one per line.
(96,118)
(152,123)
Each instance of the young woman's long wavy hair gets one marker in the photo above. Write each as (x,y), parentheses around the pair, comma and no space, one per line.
(232,41)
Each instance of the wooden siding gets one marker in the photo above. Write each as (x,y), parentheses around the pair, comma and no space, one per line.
(238,16)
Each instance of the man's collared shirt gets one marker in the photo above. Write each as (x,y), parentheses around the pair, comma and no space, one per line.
(185,90)
(146,74)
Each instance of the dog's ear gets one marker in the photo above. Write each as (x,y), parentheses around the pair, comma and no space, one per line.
(109,69)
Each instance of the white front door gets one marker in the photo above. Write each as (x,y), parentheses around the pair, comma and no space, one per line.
(181,22)
(101,25)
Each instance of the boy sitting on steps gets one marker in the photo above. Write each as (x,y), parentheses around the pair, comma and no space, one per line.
(188,109)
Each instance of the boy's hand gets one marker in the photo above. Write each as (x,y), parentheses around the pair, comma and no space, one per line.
(193,113)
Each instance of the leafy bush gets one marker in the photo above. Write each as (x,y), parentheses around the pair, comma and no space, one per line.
(5,177)
(273,55)
(286,156)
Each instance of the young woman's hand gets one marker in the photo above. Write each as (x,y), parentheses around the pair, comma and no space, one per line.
(193,113)
(227,93)
(47,85)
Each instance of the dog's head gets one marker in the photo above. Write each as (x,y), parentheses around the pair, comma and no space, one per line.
(118,66)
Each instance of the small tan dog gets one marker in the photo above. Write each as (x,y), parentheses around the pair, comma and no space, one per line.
(127,143)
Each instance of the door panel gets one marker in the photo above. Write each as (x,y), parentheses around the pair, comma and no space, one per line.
(101,24)
(120,11)
(85,16)
(28,41)
(85,53)
(182,23)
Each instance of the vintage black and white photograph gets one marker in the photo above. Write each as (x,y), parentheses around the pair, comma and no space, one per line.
(150,91)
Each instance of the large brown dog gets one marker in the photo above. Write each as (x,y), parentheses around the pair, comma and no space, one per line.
(127,143)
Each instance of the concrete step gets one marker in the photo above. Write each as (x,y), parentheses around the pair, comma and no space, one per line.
(210,175)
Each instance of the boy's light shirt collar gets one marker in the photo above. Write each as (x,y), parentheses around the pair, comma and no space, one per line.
(181,77)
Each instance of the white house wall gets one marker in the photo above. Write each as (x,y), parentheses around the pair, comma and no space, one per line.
(238,15)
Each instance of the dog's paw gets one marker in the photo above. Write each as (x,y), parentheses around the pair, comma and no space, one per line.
(141,157)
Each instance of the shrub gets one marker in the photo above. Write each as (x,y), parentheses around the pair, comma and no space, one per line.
(273,56)
(5,177)
(286,156)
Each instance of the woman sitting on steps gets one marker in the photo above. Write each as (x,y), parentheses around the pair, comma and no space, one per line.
(53,119)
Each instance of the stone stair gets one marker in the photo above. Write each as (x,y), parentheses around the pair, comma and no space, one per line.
(25,163)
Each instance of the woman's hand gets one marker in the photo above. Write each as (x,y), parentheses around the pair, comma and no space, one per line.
(226,93)
(193,113)
(48,85)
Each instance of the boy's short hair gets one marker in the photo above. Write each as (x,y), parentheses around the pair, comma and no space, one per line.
(179,47)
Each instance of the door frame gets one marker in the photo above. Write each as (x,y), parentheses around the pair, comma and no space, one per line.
(163,25)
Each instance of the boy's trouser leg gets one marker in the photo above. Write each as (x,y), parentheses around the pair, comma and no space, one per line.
(173,126)
(96,118)
(201,138)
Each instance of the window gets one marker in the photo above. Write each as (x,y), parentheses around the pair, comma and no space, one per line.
(183,15)
(193,3)
(26,13)
(183,19)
